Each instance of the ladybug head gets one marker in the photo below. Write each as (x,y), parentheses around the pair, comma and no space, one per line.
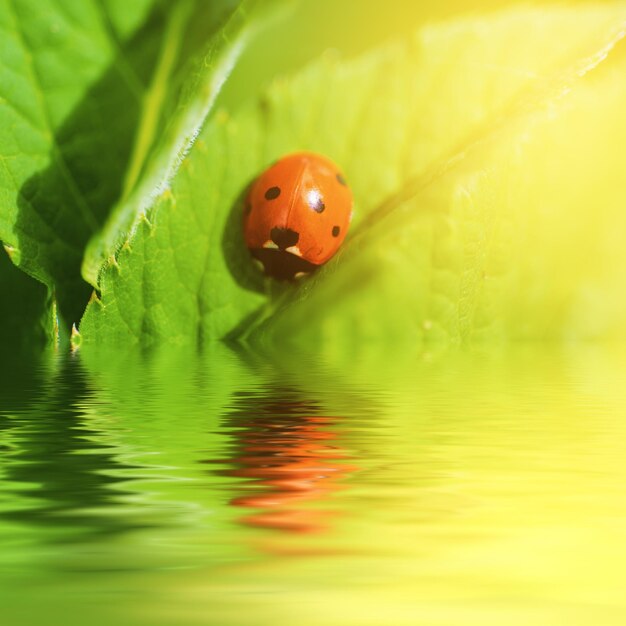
(277,261)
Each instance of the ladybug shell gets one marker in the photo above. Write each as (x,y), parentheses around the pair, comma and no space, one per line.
(297,214)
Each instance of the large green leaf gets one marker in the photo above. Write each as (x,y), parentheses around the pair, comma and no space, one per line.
(183,95)
(71,81)
(437,134)
(511,235)
(87,89)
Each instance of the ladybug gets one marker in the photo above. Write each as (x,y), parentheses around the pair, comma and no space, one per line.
(297,214)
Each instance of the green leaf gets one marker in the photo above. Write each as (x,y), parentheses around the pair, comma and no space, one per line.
(87,89)
(437,134)
(511,235)
(172,280)
(69,89)
(159,152)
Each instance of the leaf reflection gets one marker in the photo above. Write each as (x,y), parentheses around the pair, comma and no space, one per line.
(58,474)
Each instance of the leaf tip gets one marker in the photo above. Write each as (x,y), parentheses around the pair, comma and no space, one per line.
(94,299)
(143,219)
(11,251)
(75,338)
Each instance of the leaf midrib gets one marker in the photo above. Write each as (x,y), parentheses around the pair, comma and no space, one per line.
(530,99)
(155,95)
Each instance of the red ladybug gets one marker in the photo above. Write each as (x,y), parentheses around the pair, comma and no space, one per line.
(297,214)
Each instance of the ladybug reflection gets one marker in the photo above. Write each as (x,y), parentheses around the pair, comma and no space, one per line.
(285,450)
(297,214)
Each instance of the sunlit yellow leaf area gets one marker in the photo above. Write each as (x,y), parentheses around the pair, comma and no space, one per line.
(493,206)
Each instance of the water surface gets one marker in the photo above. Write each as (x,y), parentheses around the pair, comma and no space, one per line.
(228,488)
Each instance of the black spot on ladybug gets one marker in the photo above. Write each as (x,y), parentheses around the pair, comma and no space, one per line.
(272,193)
(341,180)
(336,231)
(284,237)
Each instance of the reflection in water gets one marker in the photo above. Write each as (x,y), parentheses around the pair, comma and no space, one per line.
(284,447)
(490,490)
(56,472)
